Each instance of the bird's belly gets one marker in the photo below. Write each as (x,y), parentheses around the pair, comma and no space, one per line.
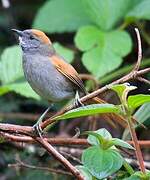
(46,80)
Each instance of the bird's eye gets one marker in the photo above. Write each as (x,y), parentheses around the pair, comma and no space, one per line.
(31,37)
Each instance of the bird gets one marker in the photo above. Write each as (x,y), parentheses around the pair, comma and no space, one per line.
(47,72)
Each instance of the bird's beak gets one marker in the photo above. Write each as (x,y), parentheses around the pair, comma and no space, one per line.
(19,33)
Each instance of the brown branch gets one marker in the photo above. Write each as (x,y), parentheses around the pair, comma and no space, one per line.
(132,75)
(136,145)
(61,141)
(18,129)
(143,80)
(51,150)
(128,116)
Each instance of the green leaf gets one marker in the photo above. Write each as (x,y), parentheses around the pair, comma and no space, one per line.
(85,172)
(122,90)
(142,114)
(133,177)
(137,100)
(140,11)
(89,110)
(90,34)
(106,14)
(61,16)
(11,65)
(22,88)
(139,175)
(66,53)
(101,163)
(104,50)
(119,142)
(11,73)
(102,132)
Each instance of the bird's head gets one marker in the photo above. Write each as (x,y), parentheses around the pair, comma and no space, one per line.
(32,39)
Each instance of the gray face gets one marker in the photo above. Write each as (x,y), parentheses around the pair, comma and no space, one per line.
(32,44)
(27,40)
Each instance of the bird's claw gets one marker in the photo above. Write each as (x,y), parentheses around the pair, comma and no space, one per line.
(77,101)
(37,129)
(37,126)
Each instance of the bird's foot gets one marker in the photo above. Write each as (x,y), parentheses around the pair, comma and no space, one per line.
(37,127)
(77,101)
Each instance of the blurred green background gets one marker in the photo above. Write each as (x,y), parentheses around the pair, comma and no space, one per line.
(96,36)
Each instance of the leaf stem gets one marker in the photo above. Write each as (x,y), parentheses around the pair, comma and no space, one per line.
(124,25)
(128,167)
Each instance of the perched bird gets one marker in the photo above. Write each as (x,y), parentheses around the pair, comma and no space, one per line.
(47,72)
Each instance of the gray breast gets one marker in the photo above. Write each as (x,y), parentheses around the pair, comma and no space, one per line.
(45,79)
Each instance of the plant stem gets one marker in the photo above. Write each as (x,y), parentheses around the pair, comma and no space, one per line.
(136,144)
(128,167)
(124,25)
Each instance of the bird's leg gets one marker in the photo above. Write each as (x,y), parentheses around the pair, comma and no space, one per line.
(37,126)
(77,101)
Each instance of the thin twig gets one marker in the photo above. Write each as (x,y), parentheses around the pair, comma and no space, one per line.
(143,80)
(137,66)
(138,151)
(136,145)
(56,171)
(89,77)
(60,141)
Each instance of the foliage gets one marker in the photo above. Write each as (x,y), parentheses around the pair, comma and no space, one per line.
(103,49)
(103,154)
(98,35)
(11,74)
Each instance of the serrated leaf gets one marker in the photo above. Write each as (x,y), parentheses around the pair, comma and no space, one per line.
(104,50)
(137,100)
(106,14)
(101,163)
(140,11)
(61,16)
(102,132)
(119,142)
(89,110)
(11,65)
(66,53)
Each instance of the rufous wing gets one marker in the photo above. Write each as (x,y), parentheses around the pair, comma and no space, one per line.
(68,71)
